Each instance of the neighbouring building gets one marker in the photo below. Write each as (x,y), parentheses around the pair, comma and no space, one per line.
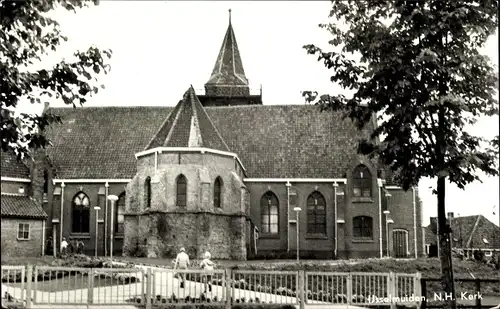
(22,215)
(222,171)
(469,233)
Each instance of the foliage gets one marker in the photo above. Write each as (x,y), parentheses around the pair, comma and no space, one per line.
(27,34)
(421,72)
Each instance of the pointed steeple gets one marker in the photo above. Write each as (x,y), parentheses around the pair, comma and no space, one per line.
(188,125)
(228,76)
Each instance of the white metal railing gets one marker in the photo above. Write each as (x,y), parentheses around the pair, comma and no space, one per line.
(149,285)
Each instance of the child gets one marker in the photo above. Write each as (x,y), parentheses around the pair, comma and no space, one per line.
(208,266)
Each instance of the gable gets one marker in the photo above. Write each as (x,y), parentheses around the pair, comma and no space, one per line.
(280,141)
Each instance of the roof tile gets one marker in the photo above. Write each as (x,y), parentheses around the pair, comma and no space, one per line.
(21,206)
(12,167)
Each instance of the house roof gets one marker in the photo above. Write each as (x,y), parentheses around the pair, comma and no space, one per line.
(228,68)
(12,167)
(272,141)
(21,206)
(188,125)
(468,232)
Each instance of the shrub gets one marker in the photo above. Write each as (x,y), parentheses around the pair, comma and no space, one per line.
(479,255)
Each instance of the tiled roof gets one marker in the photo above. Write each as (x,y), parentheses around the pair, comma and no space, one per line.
(280,141)
(188,125)
(469,231)
(21,206)
(228,69)
(12,167)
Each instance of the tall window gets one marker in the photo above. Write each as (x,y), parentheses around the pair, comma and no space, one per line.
(23,231)
(362,182)
(181,192)
(362,227)
(316,213)
(81,213)
(218,192)
(269,213)
(119,214)
(147,192)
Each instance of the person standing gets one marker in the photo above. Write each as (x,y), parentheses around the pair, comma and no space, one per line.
(64,247)
(182,263)
(208,267)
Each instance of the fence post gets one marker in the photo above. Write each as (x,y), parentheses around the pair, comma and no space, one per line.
(301,289)
(393,289)
(29,279)
(148,288)
(423,288)
(229,283)
(417,289)
(349,289)
(478,290)
(90,288)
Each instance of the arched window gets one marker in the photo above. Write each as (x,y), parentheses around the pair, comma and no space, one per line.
(362,227)
(218,192)
(316,213)
(361,182)
(81,213)
(147,192)
(119,214)
(269,206)
(181,190)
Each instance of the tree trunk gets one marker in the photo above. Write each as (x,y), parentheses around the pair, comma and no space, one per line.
(445,249)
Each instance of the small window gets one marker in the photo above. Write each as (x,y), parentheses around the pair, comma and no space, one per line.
(23,231)
(147,192)
(181,191)
(362,227)
(361,182)
(218,193)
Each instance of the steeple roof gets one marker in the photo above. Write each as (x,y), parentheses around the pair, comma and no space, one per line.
(228,69)
(188,125)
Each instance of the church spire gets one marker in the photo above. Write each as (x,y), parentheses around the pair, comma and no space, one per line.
(228,76)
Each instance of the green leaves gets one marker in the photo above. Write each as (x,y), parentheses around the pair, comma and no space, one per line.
(421,67)
(26,34)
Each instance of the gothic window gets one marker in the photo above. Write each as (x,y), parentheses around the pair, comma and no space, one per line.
(81,213)
(218,192)
(269,213)
(147,192)
(181,193)
(119,214)
(362,227)
(361,182)
(316,213)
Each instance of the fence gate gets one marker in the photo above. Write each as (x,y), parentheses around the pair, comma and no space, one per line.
(400,241)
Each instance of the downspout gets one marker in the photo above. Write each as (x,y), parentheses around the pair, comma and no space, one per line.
(156,161)
(106,185)
(288,216)
(379,182)
(415,223)
(335,185)
(61,218)
(43,237)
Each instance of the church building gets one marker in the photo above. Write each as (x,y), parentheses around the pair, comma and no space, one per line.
(222,171)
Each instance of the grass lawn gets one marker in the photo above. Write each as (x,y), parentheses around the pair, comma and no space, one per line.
(69,283)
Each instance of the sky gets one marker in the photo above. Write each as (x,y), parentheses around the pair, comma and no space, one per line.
(160,48)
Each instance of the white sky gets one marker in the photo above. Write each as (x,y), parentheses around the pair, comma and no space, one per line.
(161,48)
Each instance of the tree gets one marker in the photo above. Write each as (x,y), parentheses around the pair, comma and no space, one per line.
(421,74)
(27,34)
